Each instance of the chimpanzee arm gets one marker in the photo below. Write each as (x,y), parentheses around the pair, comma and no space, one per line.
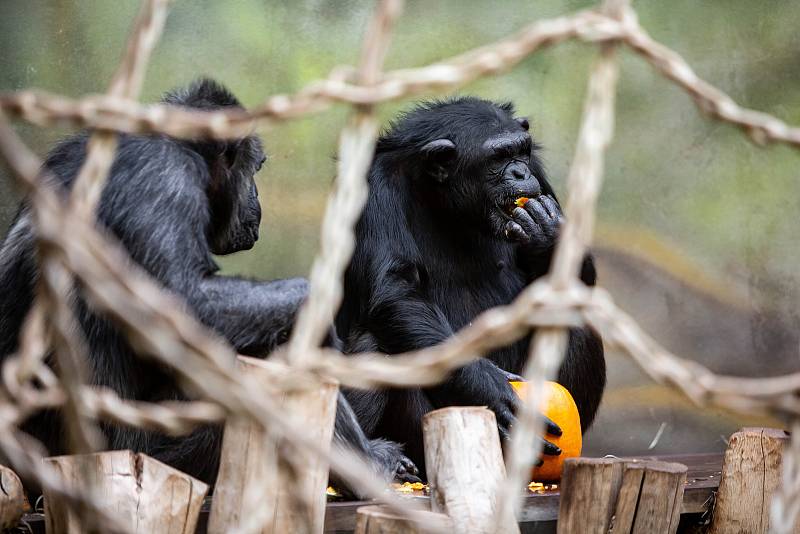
(400,316)
(584,359)
(253,316)
(386,457)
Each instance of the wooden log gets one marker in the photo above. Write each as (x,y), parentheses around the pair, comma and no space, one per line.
(750,474)
(600,495)
(589,489)
(465,467)
(381,520)
(250,456)
(12,498)
(145,495)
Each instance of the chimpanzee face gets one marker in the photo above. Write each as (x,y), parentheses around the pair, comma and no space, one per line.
(233,197)
(483,162)
(235,213)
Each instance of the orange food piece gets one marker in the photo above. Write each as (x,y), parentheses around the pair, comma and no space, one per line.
(521,201)
(560,407)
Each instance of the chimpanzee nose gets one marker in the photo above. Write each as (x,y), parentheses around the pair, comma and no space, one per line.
(518,171)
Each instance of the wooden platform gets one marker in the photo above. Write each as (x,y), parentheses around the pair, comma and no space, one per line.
(701,483)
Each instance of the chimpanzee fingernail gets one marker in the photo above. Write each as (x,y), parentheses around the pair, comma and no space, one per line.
(551,449)
(515,231)
(553,428)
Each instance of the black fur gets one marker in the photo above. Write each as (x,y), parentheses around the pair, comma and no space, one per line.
(439,242)
(173,204)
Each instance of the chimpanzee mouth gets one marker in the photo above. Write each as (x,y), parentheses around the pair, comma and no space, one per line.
(517,201)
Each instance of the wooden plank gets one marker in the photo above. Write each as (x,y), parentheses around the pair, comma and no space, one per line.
(750,475)
(465,468)
(147,496)
(12,498)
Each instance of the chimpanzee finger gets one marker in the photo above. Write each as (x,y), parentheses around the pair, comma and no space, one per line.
(409,466)
(523,218)
(537,211)
(551,427)
(511,377)
(550,449)
(514,232)
(532,227)
(504,434)
(505,417)
(551,205)
(536,232)
(404,476)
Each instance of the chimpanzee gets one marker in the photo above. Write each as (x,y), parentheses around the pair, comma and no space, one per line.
(172,204)
(444,236)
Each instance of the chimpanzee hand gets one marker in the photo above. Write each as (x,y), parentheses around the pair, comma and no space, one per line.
(388,458)
(537,224)
(482,383)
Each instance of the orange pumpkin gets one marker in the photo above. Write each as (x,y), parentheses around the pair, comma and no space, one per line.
(560,407)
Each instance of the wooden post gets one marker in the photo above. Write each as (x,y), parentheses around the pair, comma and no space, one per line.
(381,520)
(12,498)
(600,495)
(249,456)
(146,495)
(750,474)
(465,467)
(588,494)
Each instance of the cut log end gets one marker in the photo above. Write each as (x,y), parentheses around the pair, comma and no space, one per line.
(12,498)
(381,520)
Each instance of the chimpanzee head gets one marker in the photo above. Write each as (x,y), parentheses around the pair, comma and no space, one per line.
(235,213)
(467,157)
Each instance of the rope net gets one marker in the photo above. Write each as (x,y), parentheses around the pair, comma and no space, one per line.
(71,248)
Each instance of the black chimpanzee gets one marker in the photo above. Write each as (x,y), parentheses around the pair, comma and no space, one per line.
(172,204)
(440,241)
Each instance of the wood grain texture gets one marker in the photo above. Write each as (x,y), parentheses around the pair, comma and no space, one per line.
(465,467)
(588,494)
(147,496)
(600,495)
(750,474)
(12,498)
(658,508)
(381,520)
(250,457)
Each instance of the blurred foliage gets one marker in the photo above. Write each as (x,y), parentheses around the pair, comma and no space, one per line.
(727,205)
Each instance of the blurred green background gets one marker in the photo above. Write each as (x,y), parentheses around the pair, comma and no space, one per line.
(697,230)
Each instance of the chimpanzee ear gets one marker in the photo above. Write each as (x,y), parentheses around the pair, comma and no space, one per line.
(523,121)
(438,158)
(229,151)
